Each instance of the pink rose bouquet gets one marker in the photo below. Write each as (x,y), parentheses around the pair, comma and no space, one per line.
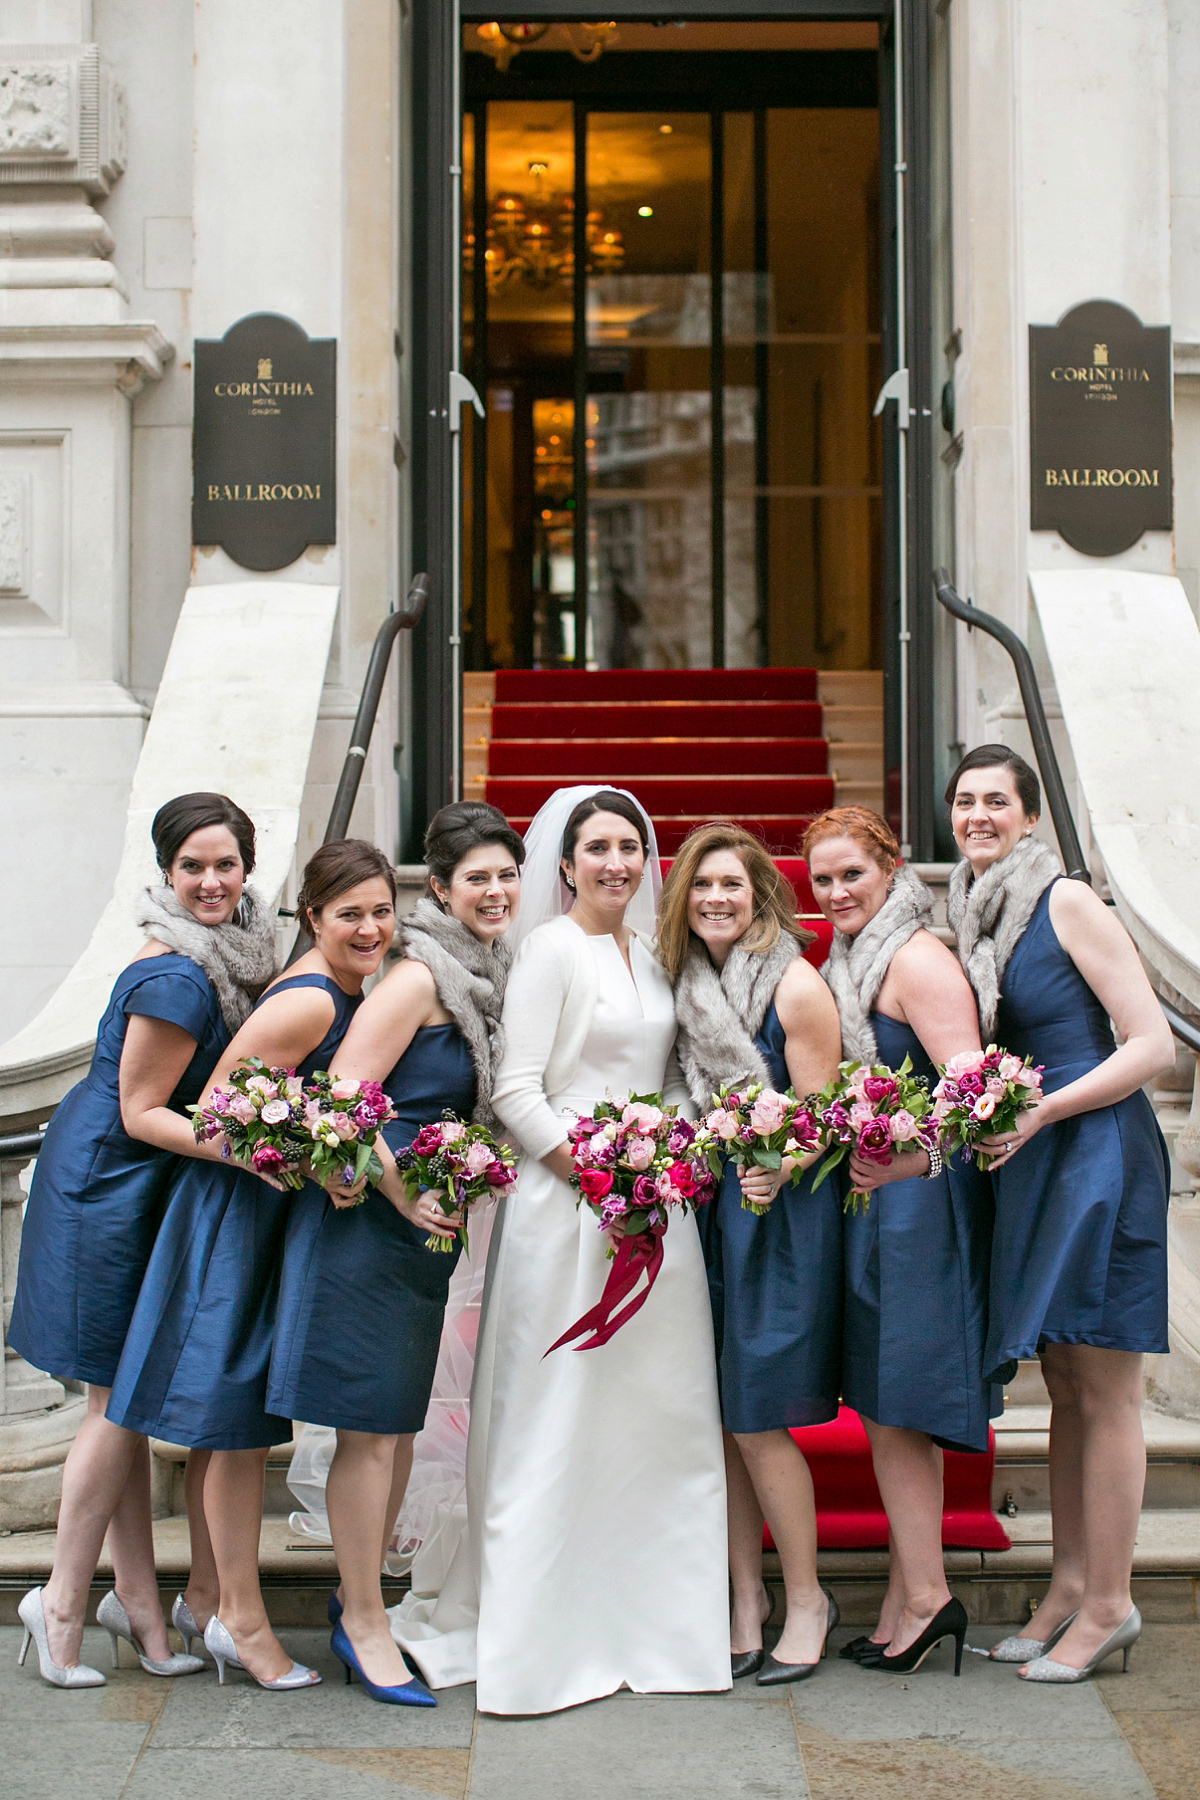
(874,1113)
(343,1120)
(260,1112)
(981,1094)
(635,1160)
(460,1164)
(753,1124)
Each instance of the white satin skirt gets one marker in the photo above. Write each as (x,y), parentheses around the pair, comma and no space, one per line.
(593,1555)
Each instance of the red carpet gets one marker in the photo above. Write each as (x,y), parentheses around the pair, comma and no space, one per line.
(850,1513)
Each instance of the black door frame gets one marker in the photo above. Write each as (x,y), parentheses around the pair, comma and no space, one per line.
(436,150)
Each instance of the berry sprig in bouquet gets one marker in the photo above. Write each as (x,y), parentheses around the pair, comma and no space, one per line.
(460,1164)
(981,1094)
(635,1160)
(343,1119)
(874,1113)
(261,1113)
(753,1124)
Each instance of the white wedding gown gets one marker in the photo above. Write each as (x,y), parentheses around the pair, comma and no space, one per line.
(595,1555)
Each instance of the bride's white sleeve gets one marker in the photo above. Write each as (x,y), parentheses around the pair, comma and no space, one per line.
(675,1088)
(533,1007)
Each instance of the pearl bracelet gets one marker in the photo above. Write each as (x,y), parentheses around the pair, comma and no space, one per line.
(936,1163)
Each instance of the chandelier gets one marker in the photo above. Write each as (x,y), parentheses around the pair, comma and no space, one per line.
(531,239)
(586,43)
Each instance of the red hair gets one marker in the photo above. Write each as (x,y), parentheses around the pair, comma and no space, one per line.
(860,823)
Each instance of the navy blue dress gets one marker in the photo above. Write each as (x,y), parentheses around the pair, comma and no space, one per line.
(194,1369)
(916,1291)
(98,1195)
(361,1298)
(776,1288)
(1080,1249)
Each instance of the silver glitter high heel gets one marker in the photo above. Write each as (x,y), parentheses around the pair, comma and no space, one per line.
(1122,1639)
(1028,1649)
(115,1620)
(33,1618)
(183,1619)
(221,1647)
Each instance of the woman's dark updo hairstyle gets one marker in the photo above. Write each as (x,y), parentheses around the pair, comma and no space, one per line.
(461,827)
(605,801)
(334,870)
(175,822)
(999,756)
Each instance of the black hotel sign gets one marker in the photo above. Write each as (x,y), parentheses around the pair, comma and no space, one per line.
(1100,427)
(263,441)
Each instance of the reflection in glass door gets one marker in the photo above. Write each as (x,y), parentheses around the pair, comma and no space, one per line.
(674,314)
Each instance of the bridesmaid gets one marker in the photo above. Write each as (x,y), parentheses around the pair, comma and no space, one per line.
(194,1369)
(361,1298)
(916,1257)
(1079,1257)
(98,1194)
(750,1007)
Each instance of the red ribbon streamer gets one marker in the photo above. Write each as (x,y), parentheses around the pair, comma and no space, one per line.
(614,1307)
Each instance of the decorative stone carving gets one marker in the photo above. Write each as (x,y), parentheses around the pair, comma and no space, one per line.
(14,535)
(62,117)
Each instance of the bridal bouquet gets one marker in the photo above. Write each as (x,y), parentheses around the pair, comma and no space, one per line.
(343,1120)
(981,1094)
(634,1160)
(754,1124)
(460,1164)
(873,1112)
(261,1113)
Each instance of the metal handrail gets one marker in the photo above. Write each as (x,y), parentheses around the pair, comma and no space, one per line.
(20,1146)
(1035,718)
(364,720)
(1185,1029)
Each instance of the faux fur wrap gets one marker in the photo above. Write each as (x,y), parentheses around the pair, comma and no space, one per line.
(856,967)
(989,913)
(239,959)
(470,978)
(719,1013)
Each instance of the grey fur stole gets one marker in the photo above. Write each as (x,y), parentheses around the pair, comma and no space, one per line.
(988,915)
(470,977)
(720,1011)
(856,967)
(238,958)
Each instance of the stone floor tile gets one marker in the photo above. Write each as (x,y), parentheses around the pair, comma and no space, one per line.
(906,1770)
(51,1760)
(349,1774)
(1164,1671)
(241,1715)
(650,1747)
(129,1696)
(1167,1745)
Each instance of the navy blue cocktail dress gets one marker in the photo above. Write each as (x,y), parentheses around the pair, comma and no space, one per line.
(916,1290)
(1080,1248)
(98,1195)
(361,1298)
(194,1369)
(775,1283)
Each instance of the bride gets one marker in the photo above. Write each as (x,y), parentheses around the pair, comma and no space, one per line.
(595,1551)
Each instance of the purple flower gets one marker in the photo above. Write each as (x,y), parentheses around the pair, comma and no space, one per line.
(643,1190)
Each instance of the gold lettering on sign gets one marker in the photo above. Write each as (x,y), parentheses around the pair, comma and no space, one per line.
(265,490)
(262,390)
(264,368)
(1099,357)
(1101,477)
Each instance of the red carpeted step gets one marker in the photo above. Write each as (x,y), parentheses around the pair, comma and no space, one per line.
(652,718)
(850,1513)
(622,685)
(697,797)
(624,760)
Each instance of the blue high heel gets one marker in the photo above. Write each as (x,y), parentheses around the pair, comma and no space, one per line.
(334,1612)
(409,1693)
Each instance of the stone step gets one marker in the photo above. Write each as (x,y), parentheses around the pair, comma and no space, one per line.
(1022,1477)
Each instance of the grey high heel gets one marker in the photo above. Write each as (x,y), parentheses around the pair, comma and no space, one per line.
(183,1619)
(115,1620)
(1122,1639)
(33,1618)
(218,1641)
(1028,1649)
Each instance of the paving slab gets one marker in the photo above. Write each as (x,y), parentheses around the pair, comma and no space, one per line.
(922,1770)
(348,1774)
(54,1759)
(646,1746)
(129,1696)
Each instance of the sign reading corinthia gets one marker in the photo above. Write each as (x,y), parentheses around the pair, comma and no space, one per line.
(1100,427)
(263,441)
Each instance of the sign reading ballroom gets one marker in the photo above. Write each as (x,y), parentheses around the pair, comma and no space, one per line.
(263,441)
(1100,427)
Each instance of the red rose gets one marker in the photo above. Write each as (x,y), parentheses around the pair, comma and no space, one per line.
(878,1087)
(267,1160)
(427,1140)
(682,1179)
(595,1183)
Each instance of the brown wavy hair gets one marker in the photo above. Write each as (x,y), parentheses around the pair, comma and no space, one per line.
(774,896)
(336,868)
(860,823)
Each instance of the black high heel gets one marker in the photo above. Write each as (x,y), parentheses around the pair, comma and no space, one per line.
(774,1673)
(951,1621)
(749,1662)
(859,1647)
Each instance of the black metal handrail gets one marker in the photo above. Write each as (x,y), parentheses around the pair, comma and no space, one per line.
(405,619)
(1185,1029)
(21,1145)
(1035,718)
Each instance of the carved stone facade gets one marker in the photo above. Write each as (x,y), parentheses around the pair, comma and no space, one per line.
(62,117)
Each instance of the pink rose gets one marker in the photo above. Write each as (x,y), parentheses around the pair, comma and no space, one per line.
(723,1124)
(994,1086)
(861,1114)
(903,1127)
(768,1113)
(966,1062)
(260,1084)
(275,1112)
(242,1108)
(345,1090)
(1028,1077)
(479,1157)
(640,1153)
(344,1125)
(1007,1068)
(645,1118)
(452,1130)
(595,1183)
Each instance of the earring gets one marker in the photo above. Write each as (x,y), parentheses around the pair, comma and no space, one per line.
(569,883)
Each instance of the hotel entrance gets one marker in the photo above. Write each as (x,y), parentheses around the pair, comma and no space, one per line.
(677,270)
